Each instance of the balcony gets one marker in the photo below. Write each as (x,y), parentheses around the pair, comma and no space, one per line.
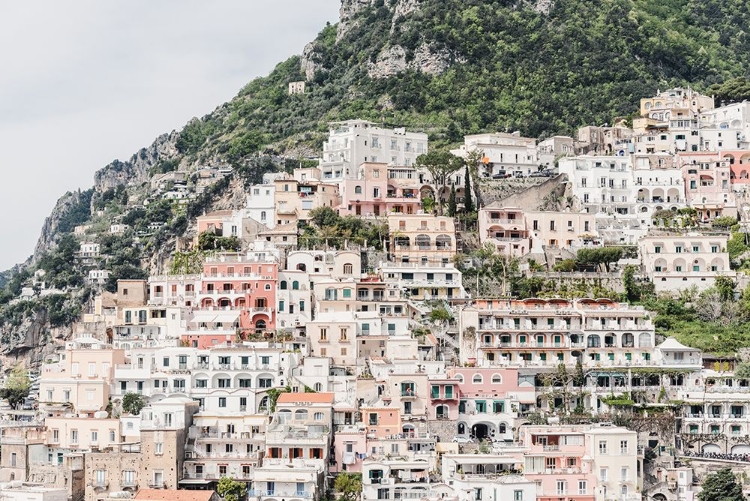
(285,494)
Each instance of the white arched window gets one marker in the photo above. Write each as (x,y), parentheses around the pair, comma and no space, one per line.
(268,287)
(357,190)
(477,379)
(318,387)
(318,416)
(497,379)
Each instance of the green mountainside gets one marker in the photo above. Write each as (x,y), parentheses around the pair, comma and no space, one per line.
(447,67)
(509,66)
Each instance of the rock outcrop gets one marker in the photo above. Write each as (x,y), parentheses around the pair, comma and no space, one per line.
(392,60)
(136,170)
(348,13)
(50,228)
(309,61)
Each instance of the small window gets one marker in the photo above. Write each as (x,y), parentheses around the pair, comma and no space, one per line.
(477,379)
(497,379)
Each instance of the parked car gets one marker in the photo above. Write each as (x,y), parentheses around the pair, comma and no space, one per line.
(537,174)
(499,175)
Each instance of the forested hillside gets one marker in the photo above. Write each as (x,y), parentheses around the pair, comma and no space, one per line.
(508,66)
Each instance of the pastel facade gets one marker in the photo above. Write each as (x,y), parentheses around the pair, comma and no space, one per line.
(681,261)
(261,204)
(81,379)
(376,193)
(707,185)
(296,196)
(504,228)
(422,238)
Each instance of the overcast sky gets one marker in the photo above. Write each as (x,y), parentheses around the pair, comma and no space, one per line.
(84,82)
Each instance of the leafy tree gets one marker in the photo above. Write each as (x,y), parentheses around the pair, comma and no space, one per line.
(16,387)
(724,222)
(230,489)
(742,371)
(725,287)
(721,486)
(440,314)
(599,256)
(324,216)
(132,403)
(566,265)
(579,376)
(468,201)
(452,201)
(440,164)
(209,241)
(348,485)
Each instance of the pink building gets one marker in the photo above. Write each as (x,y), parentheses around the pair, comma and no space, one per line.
(443,398)
(350,448)
(237,296)
(707,189)
(505,228)
(380,190)
(490,401)
(739,165)
(556,460)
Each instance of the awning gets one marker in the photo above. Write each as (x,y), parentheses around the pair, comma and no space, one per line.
(226,316)
(195,481)
(211,317)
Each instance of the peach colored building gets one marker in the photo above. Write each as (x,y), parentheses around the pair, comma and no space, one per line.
(80,382)
(296,196)
(381,422)
(422,238)
(505,228)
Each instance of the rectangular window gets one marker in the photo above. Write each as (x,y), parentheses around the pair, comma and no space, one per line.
(624,447)
(222,401)
(128,478)
(602,447)
(517,495)
(582,487)
(100,477)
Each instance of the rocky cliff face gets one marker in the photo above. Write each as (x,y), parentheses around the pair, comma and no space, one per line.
(348,14)
(136,170)
(50,228)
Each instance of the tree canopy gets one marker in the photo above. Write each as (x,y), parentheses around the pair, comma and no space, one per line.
(721,486)
(16,387)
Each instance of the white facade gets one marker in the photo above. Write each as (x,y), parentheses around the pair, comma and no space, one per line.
(503,153)
(261,203)
(352,143)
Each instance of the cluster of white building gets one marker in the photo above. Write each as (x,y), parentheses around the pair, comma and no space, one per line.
(291,362)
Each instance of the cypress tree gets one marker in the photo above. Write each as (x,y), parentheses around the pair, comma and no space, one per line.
(468,201)
(452,201)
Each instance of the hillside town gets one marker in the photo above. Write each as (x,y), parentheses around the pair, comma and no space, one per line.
(286,358)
